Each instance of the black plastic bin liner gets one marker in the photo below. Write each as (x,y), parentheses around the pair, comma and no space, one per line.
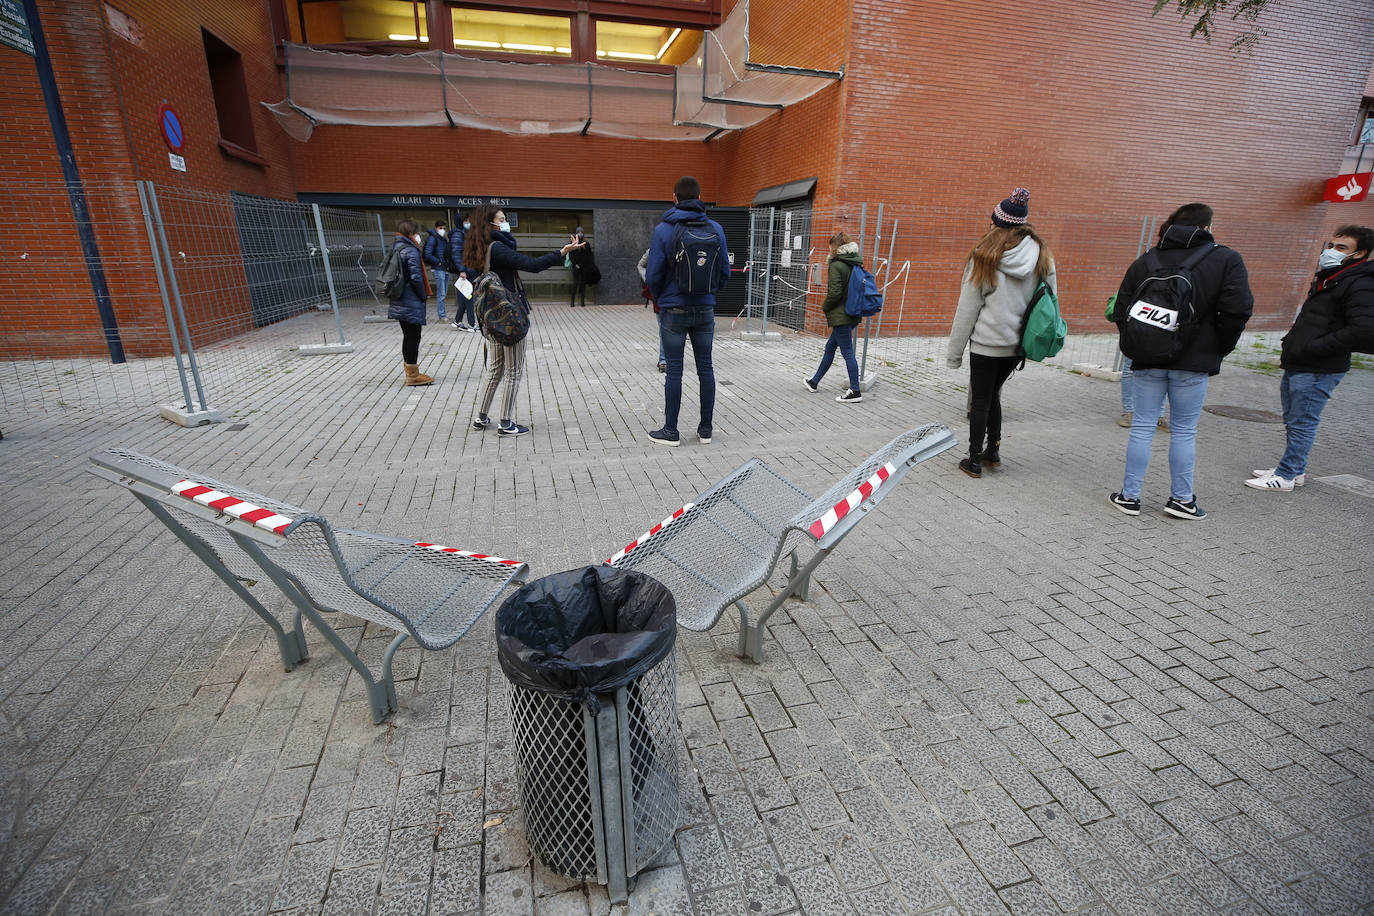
(577,634)
(585,631)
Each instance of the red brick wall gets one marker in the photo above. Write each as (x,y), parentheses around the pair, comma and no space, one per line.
(111,90)
(1108,115)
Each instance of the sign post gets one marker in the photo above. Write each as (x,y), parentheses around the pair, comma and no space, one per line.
(172,134)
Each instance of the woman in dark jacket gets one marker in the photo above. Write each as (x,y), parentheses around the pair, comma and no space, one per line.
(844,257)
(410,309)
(490,238)
(584,272)
(1222,304)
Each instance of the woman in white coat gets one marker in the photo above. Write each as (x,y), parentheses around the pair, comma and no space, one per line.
(1000,277)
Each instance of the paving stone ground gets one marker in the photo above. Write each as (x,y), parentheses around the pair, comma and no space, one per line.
(1003,695)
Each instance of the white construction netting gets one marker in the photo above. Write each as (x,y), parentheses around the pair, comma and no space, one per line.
(718,89)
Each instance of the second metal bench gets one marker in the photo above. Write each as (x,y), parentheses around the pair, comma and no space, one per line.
(714,551)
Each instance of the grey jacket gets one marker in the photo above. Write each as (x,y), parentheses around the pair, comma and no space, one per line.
(988,321)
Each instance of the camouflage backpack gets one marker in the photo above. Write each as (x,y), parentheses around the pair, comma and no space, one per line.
(500,312)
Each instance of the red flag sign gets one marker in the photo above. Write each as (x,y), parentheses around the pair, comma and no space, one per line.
(1345,188)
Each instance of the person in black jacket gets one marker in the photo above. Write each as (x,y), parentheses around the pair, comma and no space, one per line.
(1336,319)
(464,319)
(410,308)
(437,259)
(1222,304)
(490,238)
(583,270)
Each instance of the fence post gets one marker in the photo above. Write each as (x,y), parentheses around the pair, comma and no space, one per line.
(162,290)
(1147,226)
(190,416)
(750,272)
(342,346)
(381,236)
(866,382)
(768,273)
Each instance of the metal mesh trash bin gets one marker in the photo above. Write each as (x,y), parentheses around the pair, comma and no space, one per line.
(589,655)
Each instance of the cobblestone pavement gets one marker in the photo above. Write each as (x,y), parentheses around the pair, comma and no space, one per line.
(1002,695)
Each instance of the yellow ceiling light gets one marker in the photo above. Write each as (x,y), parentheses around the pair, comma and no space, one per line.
(668,44)
(520,46)
(396,36)
(475,43)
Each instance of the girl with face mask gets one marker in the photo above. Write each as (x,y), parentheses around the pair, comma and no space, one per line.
(409,308)
(490,241)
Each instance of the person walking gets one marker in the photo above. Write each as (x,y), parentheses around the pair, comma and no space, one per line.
(409,309)
(1221,304)
(688,263)
(489,241)
(437,257)
(1336,319)
(583,266)
(1000,277)
(844,257)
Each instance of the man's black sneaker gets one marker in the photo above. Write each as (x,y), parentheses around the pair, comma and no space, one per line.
(514,429)
(810,385)
(704,434)
(1189,510)
(850,396)
(1129,506)
(971,467)
(665,437)
(481,421)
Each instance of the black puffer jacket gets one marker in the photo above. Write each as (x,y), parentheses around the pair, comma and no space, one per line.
(1221,297)
(1337,318)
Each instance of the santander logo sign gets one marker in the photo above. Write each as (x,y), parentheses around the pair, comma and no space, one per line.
(1347,188)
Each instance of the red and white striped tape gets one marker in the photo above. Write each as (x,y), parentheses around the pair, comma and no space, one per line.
(648,534)
(832,516)
(468,553)
(232,505)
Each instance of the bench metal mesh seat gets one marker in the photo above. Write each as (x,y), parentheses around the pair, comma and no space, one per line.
(428,592)
(714,551)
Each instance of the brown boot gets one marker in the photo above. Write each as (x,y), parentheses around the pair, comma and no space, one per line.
(415,377)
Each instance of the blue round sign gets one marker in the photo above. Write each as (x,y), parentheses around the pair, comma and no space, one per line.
(170,125)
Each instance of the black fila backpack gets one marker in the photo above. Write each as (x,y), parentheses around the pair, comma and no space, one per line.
(1158,322)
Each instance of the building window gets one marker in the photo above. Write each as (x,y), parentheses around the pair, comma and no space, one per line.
(650,44)
(231,94)
(331,22)
(512,33)
(1366,132)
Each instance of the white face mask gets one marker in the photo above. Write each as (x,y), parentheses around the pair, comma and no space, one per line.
(442,232)
(1330,257)
(467,226)
(415,238)
(503,226)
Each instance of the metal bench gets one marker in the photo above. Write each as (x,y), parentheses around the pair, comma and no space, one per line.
(714,551)
(427,592)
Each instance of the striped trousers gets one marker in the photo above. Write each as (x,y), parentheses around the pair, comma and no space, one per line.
(508,363)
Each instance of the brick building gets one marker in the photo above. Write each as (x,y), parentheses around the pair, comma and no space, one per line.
(1109,115)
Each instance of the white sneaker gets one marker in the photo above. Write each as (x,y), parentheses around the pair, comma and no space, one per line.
(1269,472)
(1272,482)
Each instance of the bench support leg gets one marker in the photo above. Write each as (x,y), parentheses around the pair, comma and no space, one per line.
(378,696)
(290,644)
(802,586)
(751,635)
(389,682)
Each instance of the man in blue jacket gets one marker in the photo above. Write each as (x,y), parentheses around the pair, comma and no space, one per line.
(688,262)
(436,256)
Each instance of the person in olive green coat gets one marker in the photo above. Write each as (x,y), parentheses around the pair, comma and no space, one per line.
(844,257)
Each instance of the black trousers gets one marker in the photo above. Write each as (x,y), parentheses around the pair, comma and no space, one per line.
(986,375)
(410,342)
(579,288)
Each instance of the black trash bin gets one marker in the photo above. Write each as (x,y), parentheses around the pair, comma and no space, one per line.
(589,655)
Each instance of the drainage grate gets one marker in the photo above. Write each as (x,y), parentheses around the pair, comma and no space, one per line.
(1244,413)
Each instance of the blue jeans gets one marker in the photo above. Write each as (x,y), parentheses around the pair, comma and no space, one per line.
(841,338)
(1127,402)
(1304,396)
(674,327)
(440,291)
(659,318)
(1186,391)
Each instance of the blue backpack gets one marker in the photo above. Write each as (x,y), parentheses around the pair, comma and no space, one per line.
(863,298)
(696,254)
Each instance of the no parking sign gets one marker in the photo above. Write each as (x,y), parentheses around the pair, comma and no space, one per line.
(173,135)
